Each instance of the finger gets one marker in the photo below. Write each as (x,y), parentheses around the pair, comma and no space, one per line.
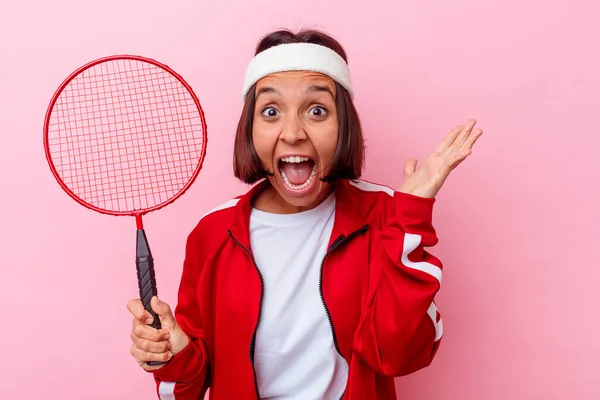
(136,308)
(465,132)
(142,356)
(163,310)
(146,356)
(144,331)
(410,166)
(449,139)
(459,157)
(473,138)
(150,345)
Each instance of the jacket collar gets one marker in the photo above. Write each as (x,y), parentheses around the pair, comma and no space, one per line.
(347,218)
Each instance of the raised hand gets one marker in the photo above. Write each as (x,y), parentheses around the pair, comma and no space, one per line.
(454,149)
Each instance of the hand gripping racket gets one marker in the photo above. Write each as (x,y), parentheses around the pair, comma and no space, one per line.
(126,135)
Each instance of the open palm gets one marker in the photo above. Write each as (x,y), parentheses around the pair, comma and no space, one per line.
(454,149)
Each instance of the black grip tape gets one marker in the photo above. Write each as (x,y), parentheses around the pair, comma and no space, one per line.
(146,279)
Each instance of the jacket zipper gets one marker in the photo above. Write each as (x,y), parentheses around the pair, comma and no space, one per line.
(262,291)
(338,242)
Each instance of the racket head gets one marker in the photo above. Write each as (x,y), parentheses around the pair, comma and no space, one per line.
(139,116)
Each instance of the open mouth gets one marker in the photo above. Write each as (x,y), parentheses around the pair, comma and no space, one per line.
(298,172)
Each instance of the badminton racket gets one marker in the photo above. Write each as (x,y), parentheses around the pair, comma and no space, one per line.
(124,136)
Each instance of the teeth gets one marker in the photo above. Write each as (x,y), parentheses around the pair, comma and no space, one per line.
(296,187)
(305,184)
(295,159)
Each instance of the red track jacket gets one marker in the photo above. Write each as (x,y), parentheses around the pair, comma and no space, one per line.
(377,286)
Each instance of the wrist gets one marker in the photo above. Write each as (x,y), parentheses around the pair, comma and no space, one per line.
(419,191)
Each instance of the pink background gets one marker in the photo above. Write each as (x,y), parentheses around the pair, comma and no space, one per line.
(518,222)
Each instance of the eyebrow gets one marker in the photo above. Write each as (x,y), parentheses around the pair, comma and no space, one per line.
(267,89)
(311,88)
(320,88)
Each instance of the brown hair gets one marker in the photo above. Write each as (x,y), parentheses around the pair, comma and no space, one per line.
(348,159)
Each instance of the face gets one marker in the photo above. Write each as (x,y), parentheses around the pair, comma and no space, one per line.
(295,133)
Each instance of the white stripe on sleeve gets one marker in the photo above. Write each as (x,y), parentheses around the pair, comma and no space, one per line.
(411,242)
(166,391)
(439,329)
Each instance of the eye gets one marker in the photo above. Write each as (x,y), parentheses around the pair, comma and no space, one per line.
(269,112)
(317,111)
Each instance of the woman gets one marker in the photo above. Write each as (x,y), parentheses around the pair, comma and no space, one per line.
(314,284)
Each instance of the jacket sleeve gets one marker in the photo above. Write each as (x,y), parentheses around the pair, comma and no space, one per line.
(400,327)
(184,377)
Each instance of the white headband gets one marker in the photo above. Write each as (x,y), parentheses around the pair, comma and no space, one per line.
(298,57)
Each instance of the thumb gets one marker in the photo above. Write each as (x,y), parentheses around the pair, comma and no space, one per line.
(162,309)
(410,166)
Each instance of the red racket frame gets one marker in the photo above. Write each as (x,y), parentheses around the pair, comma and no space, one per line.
(138,213)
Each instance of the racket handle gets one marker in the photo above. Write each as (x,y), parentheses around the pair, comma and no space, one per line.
(146,279)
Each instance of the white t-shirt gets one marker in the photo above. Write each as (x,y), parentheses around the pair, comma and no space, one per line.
(295,357)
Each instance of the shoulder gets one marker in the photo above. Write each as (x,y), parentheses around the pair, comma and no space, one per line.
(373,201)
(220,215)
(367,189)
(214,223)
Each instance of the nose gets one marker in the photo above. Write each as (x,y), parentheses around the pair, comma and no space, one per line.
(293,130)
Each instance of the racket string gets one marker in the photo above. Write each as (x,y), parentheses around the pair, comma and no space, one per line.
(125,137)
